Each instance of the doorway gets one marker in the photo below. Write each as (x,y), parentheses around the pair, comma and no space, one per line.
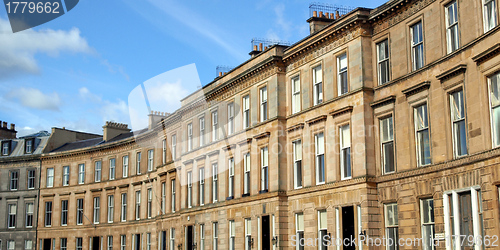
(96,244)
(266,233)
(466,219)
(163,240)
(348,229)
(137,244)
(47,244)
(189,238)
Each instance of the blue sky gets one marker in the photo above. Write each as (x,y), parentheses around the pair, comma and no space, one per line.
(78,70)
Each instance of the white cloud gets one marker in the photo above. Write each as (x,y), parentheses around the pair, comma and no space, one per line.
(108,110)
(113,68)
(18,50)
(34,98)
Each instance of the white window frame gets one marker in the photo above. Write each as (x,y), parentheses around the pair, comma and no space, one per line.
(427,245)
(125,166)
(148,241)
(164,151)
(31,178)
(172,238)
(319,159)
(342,74)
(416,43)
(12,215)
(452,27)
(299,230)
(387,128)
(29,146)
(151,159)
(317,85)
(79,211)
(494,103)
(215,125)
(50,178)
(123,211)
(246,111)
(97,171)
(173,195)
(391,225)
(14,179)
(297,164)
(202,131)
(11,245)
(248,234)
(79,243)
(296,98)
(345,150)
(263,104)
(422,130)
(215,183)
(215,235)
(230,118)
(202,236)
(489,24)
(29,214)
(112,168)
(189,189)
(232,235)
(97,210)
(28,245)
(138,157)
(150,203)
(48,214)
(163,197)
(201,188)
(137,204)
(174,147)
(246,174)
(123,242)
(190,137)
(65,176)
(111,208)
(383,62)
(322,229)
(264,169)
(231,183)
(64,243)
(458,122)
(110,242)
(64,212)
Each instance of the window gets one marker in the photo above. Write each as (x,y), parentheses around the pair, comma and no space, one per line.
(383,62)
(14,179)
(110,242)
(97,210)
(202,131)
(231,178)
(190,136)
(112,168)
(320,158)
(138,165)
(64,212)
(246,111)
(264,172)
(97,171)
(28,149)
(79,211)
(391,224)
(64,243)
(29,214)
(215,127)
(296,94)
(246,174)
(417,46)
(463,215)
(5,147)
(387,145)
(297,164)
(318,85)
(422,135)
(48,213)
(322,230)
(232,235)
(215,234)
(123,215)
(230,118)
(125,166)
(490,14)
(248,234)
(458,128)
(172,238)
(28,245)
(201,188)
(427,218)
(111,208)
(123,242)
(173,195)
(299,230)
(215,183)
(342,77)
(81,173)
(50,178)
(189,189)
(79,243)
(150,160)
(263,104)
(65,177)
(163,196)
(137,205)
(11,220)
(11,245)
(150,202)
(174,147)
(148,241)
(164,151)
(31,179)
(494,82)
(345,152)
(452,36)
(202,237)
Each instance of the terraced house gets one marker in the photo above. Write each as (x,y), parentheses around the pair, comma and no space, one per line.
(382,123)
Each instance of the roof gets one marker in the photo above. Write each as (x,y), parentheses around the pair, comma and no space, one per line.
(18,145)
(37,134)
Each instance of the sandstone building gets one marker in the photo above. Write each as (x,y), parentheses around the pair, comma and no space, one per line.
(381,123)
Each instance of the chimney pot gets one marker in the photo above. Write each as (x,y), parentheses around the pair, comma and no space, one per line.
(12,126)
(337,15)
(327,15)
(321,14)
(315,13)
(4,124)
(220,73)
(332,16)
(260,46)
(255,48)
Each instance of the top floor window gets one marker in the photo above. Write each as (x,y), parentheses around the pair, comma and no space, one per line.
(190,136)
(263,104)
(81,173)
(383,62)
(50,177)
(97,171)
(489,14)
(150,160)
(342,74)
(452,37)
(5,148)
(174,147)
(215,126)
(112,168)
(230,118)
(295,94)
(138,158)
(246,111)
(125,166)
(202,131)
(318,85)
(28,146)
(164,151)
(417,46)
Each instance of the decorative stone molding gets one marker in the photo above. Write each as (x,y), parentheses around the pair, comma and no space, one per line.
(417,88)
(295,127)
(383,101)
(400,16)
(487,54)
(316,120)
(262,135)
(461,68)
(341,111)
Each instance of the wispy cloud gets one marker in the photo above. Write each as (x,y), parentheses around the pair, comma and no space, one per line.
(113,68)
(106,109)
(34,98)
(18,50)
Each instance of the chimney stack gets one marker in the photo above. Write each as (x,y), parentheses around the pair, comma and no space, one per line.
(6,133)
(113,129)
(156,116)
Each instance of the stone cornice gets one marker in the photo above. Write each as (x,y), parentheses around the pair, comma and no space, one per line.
(487,54)
(461,68)
(262,135)
(295,127)
(396,13)
(383,101)
(316,119)
(341,111)
(417,88)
